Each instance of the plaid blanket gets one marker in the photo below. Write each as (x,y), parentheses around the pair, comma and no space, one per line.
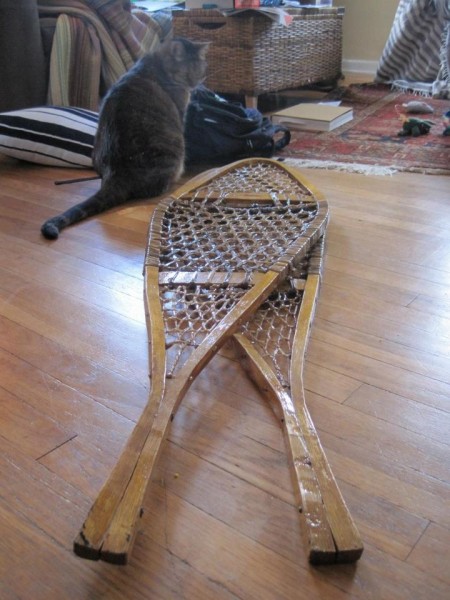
(94,43)
(417,53)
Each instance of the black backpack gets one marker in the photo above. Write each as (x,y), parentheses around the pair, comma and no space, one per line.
(218,131)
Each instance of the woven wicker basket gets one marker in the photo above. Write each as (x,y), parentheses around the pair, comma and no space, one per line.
(250,54)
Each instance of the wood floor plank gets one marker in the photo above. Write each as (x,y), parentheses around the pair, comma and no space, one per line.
(41,497)
(25,255)
(414,360)
(224,555)
(388,274)
(129,262)
(63,404)
(42,359)
(83,464)
(29,429)
(414,416)
(252,418)
(416,494)
(431,552)
(368,505)
(230,499)
(373,305)
(35,568)
(124,303)
(7,593)
(267,519)
(88,332)
(217,559)
(328,383)
(389,377)
(392,440)
(46,513)
(382,524)
(389,292)
(437,306)
(433,341)
(338,247)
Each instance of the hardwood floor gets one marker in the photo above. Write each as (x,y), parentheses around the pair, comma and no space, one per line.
(220,520)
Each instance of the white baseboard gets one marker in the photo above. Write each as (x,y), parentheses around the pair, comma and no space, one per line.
(359,66)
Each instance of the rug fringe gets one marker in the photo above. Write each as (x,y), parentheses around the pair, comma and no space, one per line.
(339,166)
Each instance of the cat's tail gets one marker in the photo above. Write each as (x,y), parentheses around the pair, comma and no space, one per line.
(99,202)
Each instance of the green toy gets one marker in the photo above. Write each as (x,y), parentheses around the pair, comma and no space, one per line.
(415,127)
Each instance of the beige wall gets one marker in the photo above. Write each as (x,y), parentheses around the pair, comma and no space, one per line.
(367,24)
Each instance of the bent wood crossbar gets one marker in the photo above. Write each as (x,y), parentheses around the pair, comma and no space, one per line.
(217,248)
(271,347)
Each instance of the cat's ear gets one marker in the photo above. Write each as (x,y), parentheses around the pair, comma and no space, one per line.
(177,50)
(202,48)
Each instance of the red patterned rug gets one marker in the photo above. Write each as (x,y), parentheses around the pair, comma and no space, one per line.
(371,137)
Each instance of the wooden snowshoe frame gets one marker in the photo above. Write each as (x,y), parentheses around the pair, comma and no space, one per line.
(271,346)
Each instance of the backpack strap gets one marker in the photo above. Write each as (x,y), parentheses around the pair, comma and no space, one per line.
(284,140)
(274,129)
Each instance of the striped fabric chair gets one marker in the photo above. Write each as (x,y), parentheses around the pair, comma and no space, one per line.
(93,43)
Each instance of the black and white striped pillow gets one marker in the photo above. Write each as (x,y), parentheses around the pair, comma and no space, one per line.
(49,135)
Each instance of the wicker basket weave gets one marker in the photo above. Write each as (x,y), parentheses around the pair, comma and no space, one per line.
(251,54)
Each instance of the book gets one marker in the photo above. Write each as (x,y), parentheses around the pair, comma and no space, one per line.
(314,117)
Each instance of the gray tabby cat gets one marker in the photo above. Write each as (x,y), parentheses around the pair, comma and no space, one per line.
(139,145)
